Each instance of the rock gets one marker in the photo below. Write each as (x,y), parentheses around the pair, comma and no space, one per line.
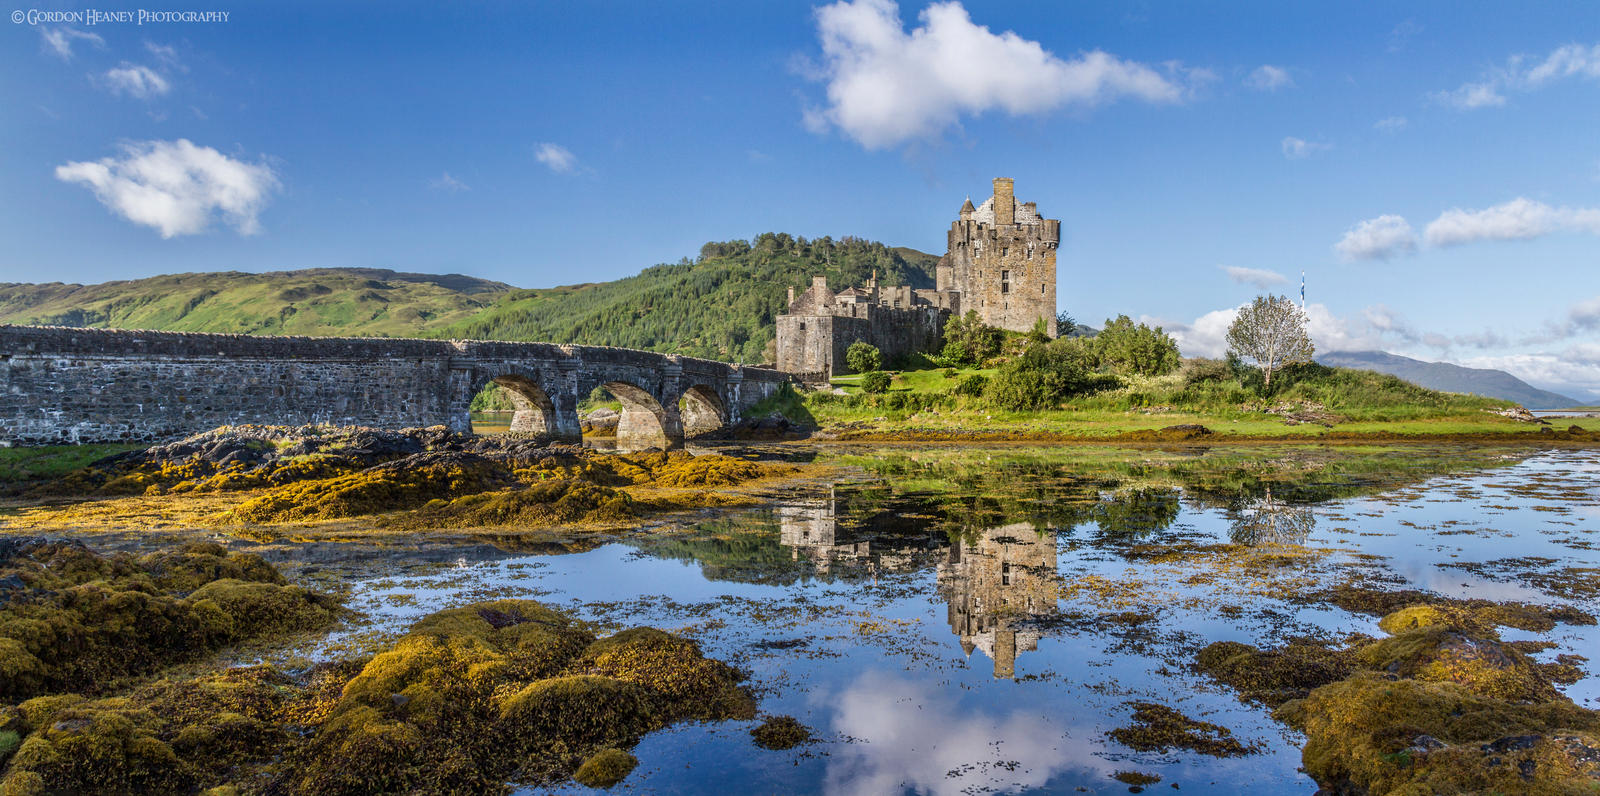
(1519,414)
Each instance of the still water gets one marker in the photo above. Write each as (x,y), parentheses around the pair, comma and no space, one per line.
(974,620)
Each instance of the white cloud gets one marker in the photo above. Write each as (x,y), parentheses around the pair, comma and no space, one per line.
(449,184)
(1392,124)
(136,80)
(166,54)
(1377,239)
(558,158)
(1254,276)
(176,187)
(1206,336)
(1473,96)
(1522,73)
(1574,372)
(887,85)
(915,737)
(1518,219)
(58,41)
(1267,77)
(1296,148)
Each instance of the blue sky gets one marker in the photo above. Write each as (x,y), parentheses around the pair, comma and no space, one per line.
(1433,167)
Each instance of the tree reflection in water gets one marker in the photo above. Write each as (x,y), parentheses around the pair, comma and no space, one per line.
(1265,520)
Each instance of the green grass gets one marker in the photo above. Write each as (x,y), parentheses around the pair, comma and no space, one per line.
(1363,402)
(47,461)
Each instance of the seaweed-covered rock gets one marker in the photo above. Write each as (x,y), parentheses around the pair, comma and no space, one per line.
(1275,676)
(1442,705)
(401,484)
(606,768)
(1375,735)
(168,736)
(84,622)
(474,696)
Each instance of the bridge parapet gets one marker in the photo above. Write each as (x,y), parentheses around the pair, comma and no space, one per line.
(68,384)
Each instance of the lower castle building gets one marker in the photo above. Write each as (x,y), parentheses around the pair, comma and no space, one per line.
(1000,262)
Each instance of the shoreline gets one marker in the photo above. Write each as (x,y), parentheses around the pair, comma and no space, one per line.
(1564,438)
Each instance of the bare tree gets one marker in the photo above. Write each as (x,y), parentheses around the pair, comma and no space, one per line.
(1271,332)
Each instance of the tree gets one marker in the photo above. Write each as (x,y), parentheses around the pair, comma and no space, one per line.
(1066,325)
(1130,349)
(968,340)
(1271,332)
(862,357)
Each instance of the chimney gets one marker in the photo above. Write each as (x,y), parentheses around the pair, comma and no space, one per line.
(819,282)
(1005,205)
(791,295)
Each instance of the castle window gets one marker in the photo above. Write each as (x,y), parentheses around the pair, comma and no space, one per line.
(1005,574)
(1005,250)
(1005,281)
(802,326)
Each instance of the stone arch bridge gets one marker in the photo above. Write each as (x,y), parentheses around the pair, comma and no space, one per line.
(72,385)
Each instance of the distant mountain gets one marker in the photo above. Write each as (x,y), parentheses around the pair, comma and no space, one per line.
(1451,378)
(720,305)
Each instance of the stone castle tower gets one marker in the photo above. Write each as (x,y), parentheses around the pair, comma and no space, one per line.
(1002,260)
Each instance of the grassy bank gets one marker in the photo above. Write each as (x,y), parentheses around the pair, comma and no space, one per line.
(1314,403)
(49,461)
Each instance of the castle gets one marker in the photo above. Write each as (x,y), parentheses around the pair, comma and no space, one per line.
(1000,261)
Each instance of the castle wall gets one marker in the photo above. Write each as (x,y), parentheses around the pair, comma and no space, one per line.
(817,343)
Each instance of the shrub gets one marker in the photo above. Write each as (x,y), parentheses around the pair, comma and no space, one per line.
(863,357)
(1041,378)
(1136,349)
(972,386)
(875,382)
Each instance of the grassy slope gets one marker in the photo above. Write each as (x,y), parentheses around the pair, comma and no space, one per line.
(720,307)
(716,308)
(1366,403)
(352,302)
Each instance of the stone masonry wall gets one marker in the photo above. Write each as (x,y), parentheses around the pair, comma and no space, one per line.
(69,385)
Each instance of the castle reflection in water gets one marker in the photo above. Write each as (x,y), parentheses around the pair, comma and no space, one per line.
(993,581)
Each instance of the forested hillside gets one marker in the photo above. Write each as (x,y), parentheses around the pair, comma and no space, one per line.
(718,306)
(323,301)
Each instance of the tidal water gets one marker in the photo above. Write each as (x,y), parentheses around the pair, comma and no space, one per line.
(976,620)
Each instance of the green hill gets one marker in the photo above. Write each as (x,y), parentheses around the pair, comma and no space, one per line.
(718,306)
(323,301)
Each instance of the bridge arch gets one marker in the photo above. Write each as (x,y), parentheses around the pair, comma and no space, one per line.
(703,410)
(534,412)
(539,404)
(646,422)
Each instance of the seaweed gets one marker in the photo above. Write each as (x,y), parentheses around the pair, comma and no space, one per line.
(780,732)
(1157,728)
